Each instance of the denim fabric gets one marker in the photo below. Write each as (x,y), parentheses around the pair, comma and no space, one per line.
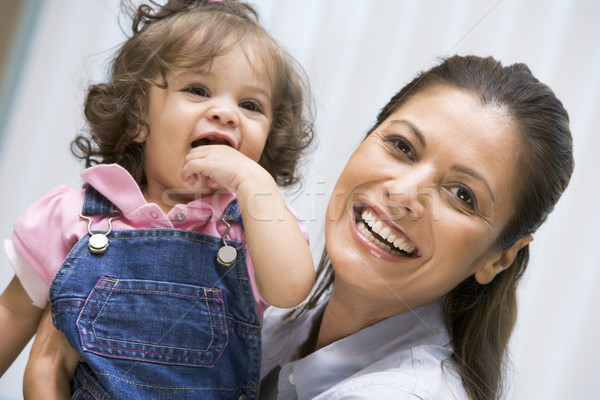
(157,317)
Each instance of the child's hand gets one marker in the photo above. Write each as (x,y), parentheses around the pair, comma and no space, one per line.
(283,281)
(224,167)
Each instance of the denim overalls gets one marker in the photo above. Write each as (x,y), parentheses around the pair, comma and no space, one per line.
(156,316)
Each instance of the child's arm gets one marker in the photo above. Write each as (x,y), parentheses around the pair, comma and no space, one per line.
(18,322)
(280,254)
(278,249)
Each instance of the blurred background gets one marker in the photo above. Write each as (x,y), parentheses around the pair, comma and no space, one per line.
(357,54)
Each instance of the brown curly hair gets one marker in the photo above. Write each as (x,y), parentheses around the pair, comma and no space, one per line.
(185,35)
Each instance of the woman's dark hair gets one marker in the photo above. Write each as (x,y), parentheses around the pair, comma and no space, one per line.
(480,318)
(184,35)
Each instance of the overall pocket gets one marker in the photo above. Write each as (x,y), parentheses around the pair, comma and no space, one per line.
(161,322)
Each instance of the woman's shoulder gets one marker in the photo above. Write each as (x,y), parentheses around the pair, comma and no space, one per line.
(431,382)
(424,370)
(432,370)
(416,365)
(382,385)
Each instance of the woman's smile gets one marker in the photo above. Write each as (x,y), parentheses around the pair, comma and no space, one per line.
(375,228)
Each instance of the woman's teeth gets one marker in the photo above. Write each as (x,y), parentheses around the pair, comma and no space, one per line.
(392,243)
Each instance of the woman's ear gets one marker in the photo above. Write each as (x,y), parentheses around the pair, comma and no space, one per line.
(501,261)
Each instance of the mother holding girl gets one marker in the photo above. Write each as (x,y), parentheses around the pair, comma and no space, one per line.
(427,236)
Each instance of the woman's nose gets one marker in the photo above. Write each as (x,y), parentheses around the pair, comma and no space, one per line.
(411,194)
(224,112)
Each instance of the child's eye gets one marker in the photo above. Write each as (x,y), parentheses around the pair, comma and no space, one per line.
(401,145)
(251,105)
(199,91)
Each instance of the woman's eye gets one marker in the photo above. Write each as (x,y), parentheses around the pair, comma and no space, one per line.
(251,105)
(463,194)
(198,91)
(403,146)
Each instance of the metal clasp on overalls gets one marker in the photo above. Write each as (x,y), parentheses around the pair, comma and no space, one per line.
(227,254)
(98,242)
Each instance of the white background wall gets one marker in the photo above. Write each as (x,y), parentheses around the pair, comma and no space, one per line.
(357,55)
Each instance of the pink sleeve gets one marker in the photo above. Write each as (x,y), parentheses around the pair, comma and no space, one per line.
(43,236)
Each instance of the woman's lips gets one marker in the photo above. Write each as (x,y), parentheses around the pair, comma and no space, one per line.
(389,238)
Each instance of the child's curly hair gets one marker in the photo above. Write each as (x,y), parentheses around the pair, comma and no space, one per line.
(184,35)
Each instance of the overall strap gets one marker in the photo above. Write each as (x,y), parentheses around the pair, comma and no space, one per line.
(232,213)
(94,203)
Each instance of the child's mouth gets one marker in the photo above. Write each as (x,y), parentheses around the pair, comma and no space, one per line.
(210,141)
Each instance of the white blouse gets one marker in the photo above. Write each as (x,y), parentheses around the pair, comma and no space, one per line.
(403,357)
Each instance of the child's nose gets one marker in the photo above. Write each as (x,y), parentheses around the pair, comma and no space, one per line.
(224,113)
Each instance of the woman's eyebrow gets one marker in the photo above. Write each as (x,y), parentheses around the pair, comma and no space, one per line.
(473,174)
(416,131)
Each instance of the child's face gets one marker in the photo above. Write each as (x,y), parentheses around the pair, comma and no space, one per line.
(227,102)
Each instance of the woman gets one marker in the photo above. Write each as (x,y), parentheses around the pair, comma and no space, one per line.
(427,236)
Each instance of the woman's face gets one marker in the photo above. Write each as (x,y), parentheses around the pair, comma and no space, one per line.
(422,201)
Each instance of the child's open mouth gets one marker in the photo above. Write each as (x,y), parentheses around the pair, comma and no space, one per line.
(210,140)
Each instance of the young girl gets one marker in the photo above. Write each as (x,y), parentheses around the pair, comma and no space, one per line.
(147,266)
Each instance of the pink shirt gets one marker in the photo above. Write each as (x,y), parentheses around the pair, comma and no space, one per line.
(46,232)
